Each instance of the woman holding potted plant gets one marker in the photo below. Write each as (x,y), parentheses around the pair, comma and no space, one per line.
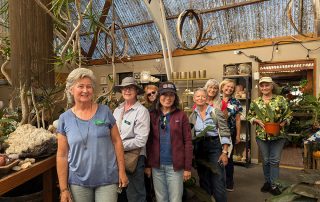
(270,108)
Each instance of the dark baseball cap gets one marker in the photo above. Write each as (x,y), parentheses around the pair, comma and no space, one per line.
(166,87)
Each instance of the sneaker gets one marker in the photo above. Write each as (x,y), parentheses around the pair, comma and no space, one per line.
(275,191)
(266,187)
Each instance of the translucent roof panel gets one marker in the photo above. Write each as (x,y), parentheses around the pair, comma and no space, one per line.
(262,20)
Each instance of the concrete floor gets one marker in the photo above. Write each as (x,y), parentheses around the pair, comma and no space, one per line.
(248,182)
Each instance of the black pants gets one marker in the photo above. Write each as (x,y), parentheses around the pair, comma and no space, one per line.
(230,166)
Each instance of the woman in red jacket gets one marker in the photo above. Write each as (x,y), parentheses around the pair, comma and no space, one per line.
(169,146)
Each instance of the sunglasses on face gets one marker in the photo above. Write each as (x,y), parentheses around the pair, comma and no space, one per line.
(152,93)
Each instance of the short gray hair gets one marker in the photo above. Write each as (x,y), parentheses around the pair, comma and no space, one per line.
(200,89)
(211,82)
(74,76)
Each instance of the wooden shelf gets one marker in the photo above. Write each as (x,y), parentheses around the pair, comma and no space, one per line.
(244,79)
(196,79)
(237,76)
(239,161)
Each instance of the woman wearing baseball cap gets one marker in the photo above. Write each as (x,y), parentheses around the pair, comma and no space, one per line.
(270,146)
(169,147)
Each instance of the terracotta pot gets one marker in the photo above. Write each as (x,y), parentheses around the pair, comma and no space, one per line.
(272,129)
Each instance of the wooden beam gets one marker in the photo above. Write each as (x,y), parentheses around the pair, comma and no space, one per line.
(221,8)
(136,58)
(235,5)
(218,48)
(246,44)
(104,12)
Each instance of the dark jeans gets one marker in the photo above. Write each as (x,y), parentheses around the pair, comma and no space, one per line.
(149,189)
(135,191)
(230,165)
(212,183)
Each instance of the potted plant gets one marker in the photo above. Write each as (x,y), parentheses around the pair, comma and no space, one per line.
(271,122)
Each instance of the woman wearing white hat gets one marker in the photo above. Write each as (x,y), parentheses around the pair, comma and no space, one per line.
(133,121)
(270,146)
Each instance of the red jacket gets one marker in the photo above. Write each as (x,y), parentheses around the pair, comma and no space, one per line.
(181,142)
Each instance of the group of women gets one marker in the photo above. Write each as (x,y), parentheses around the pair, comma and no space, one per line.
(92,140)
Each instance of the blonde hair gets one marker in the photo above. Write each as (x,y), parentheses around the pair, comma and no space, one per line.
(149,87)
(224,82)
(74,76)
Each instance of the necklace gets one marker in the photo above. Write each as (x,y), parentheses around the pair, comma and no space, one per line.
(84,138)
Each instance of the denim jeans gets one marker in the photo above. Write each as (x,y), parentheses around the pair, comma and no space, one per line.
(271,154)
(136,191)
(98,194)
(213,183)
(168,184)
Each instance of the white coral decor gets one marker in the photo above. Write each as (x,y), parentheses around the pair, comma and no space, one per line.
(27,137)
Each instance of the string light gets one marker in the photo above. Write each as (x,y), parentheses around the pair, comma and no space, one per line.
(308,54)
(276,48)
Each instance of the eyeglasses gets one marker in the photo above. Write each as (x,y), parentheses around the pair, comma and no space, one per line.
(152,93)
(163,121)
(129,88)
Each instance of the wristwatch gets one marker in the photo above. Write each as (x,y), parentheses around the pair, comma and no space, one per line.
(225,152)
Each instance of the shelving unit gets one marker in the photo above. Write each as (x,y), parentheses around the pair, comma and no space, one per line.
(190,84)
(242,151)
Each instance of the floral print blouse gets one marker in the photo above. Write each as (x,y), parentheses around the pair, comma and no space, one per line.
(233,107)
(282,113)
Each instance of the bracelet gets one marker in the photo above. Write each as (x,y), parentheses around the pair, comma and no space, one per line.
(63,190)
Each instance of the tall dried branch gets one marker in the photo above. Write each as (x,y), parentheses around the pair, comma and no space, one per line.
(49,13)
(76,29)
(4,72)
(24,104)
(35,107)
